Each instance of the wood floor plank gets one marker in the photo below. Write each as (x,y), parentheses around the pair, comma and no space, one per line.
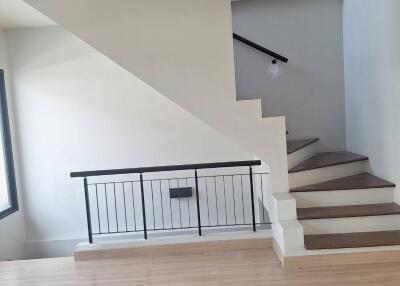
(352,240)
(348,211)
(360,181)
(327,159)
(295,145)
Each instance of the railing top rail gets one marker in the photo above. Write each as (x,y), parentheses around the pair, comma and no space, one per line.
(260,48)
(109,172)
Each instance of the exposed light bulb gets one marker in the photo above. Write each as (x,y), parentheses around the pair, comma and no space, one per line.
(275,69)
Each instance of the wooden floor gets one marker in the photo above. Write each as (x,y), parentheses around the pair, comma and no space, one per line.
(242,267)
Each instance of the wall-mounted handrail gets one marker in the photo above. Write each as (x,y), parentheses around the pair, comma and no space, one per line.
(260,48)
(84,174)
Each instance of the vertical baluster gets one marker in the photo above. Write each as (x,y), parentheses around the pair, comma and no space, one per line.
(252,199)
(197,201)
(241,187)
(123,193)
(262,198)
(188,203)
(108,215)
(143,207)
(116,209)
(179,202)
(133,205)
(208,207)
(226,211)
(170,204)
(152,204)
(88,217)
(234,199)
(162,207)
(216,199)
(98,209)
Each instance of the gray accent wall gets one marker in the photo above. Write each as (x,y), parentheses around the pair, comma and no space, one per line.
(372,61)
(310,91)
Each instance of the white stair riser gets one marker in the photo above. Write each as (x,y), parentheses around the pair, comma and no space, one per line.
(301,155)
(351,224)
(319,175)
(343,197)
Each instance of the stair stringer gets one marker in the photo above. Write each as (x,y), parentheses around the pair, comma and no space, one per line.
(183,49)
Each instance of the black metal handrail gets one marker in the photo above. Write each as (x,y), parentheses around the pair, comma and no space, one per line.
(143,170)
(131,189)
(260,48)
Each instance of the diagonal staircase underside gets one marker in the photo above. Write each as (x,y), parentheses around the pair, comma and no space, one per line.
(183,49)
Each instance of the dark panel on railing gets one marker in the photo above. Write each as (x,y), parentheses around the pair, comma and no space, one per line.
(165,168)
(260,48)
(185,192)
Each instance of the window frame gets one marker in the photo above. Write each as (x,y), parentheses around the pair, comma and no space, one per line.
(7,151)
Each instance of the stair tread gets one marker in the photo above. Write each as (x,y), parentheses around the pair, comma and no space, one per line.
(360,181)
(295,145)
(352,240)
(327,159)
(348,211)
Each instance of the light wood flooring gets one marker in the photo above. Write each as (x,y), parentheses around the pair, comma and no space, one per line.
(228,267)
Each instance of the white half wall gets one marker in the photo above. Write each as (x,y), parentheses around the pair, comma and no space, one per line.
(310,91)
(78,110)
(371,47)
(12,227)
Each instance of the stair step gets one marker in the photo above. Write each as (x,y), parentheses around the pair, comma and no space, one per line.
(327,159)
(352,240)
(348,211)
(360,181)
(295,145)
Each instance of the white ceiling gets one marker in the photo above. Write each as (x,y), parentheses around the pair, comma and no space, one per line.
(18,14)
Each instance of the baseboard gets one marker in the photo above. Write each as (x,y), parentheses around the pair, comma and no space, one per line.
(291,263)
(169,247)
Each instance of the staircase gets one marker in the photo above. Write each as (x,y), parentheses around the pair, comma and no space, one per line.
(339,204)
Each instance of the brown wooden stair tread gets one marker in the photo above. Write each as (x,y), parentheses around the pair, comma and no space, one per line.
(327,159)
(295,145)
(352,240)
(348,211)
(360,181)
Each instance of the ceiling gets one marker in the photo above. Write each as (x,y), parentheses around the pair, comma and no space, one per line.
(18,14)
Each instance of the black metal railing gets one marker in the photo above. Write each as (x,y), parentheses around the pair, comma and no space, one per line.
(276,56)
(165,202)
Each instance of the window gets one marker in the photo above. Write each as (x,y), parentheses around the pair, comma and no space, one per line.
(8,189)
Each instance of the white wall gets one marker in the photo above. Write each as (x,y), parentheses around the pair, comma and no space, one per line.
(310,91)
(12,228)
(371,47)
(184,49)
(77,110)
